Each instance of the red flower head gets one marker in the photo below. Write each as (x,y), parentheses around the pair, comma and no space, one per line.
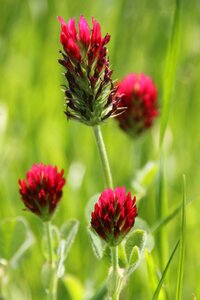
(42,190)
(114,215)
(140,99)
(89,92)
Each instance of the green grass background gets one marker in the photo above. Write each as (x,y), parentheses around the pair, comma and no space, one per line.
(33,127)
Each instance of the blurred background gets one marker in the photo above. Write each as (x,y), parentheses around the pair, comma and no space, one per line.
(33,129)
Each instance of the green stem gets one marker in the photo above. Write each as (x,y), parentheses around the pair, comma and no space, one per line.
(103,156)
(115,270)
(49,241)
(114,251)
(115,279)
(52,290)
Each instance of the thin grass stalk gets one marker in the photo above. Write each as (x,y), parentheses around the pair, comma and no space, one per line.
(168,87)
(157,291)
(170,69)
(161,211)
(179,287)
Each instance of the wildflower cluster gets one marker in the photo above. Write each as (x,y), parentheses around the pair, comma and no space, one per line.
(91,97)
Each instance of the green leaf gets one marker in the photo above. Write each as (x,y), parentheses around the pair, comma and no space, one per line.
(136,238)
(98,245)
(123,262)
(142,224)
(157,291)
(144,178)
(67,233)
(179,287)
(170,69)
(134,256)
(15,239)
(55,236)
(74,287)
(134,247)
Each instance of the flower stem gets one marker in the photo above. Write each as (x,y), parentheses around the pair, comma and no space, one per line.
(49,241)
(52,290)
(113,279)
(103,156)
(115,276)
(114,252)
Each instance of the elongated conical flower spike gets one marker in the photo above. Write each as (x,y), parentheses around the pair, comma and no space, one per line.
(89,92)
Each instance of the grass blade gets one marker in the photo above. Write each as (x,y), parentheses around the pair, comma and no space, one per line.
(170,69)
(182,246)
(161,211)
(157,291)
(164,221)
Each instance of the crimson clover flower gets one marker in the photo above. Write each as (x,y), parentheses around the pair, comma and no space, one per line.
(114,215)
(89,92)
(42,190)
(140,99)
